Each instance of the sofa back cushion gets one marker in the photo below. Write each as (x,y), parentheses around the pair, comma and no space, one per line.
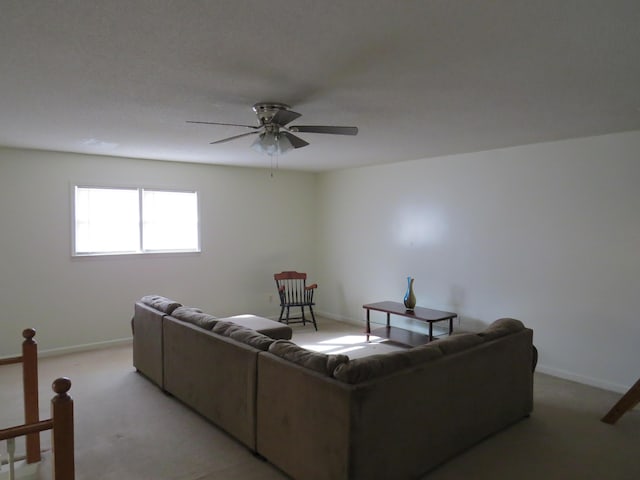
(319,362)
(502,327)
(243,334)
(366,368)
(160,303)
(458,342)
(195,316)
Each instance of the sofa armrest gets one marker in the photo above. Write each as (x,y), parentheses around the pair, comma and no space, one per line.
(146,326)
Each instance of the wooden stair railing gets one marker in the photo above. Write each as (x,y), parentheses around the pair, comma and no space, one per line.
(61,426)
(626,403)
(29,360)
(61,421)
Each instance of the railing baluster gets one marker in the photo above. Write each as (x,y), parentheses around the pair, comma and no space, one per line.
(11,454)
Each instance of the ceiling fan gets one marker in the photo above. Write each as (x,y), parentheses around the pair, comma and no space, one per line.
(274,136)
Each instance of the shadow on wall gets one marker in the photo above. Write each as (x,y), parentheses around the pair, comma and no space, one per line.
(456,300)
(342,302)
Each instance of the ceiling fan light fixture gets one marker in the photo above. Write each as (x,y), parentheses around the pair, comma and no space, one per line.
(270,143)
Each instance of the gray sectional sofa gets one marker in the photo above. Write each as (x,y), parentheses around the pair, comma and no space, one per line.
(210,364)
(316,416)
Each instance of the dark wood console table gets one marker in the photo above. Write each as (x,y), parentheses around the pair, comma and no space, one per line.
(401,335)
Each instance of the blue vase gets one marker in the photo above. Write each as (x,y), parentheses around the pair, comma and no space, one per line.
(410,297)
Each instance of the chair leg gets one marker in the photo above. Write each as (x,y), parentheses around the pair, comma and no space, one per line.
(304,320)
(287,320)
(281,313)
(313,318)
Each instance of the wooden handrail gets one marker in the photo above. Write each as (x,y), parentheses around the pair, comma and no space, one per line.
(21,430)
(626,403)
(10,360)
(61,426)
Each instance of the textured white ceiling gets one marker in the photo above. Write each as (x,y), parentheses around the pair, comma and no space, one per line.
(419,78)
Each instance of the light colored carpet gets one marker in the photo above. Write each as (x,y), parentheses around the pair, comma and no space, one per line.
(127,429)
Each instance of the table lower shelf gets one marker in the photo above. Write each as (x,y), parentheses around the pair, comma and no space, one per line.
(401,336)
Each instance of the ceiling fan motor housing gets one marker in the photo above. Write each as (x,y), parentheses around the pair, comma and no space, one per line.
(267,110)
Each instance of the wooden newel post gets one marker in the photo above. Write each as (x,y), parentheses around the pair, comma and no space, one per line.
(62,433)
(30,384)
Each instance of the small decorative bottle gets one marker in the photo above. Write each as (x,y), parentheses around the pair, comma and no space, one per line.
(410,297)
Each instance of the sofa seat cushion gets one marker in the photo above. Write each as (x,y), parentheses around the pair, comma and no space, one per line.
(319,362)
(502,327)
(458,342)
(195,316)
(160,303)
(243,335)
(373,366)
(275,330)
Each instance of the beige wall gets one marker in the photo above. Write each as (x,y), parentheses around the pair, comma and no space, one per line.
(547,233)
(252,226)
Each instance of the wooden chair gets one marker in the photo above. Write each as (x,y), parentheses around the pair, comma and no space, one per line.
(294,292)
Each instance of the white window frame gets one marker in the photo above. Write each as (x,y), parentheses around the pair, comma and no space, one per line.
(140,221)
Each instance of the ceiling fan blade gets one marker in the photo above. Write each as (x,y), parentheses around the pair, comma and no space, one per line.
(324,129)
(228,139)
(229,124)
(282,117)
(296,142)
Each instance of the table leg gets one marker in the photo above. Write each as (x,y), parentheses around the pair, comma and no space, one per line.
(430,331)
(368,330)
(388,320)
(450,326)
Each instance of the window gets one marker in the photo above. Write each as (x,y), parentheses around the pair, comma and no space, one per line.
(134,220)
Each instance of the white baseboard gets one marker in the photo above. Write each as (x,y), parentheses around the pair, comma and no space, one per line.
(339,318)
(330,316)
(85,347)
(593,382)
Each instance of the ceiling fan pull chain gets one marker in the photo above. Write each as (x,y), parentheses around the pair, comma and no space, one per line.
(274,162)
